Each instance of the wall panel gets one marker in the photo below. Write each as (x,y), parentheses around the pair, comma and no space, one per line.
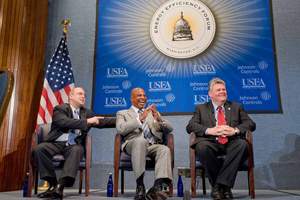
(23,26)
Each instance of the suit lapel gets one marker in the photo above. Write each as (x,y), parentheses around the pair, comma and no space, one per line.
(227,113)
(211,113)
(82,113)
(131,113)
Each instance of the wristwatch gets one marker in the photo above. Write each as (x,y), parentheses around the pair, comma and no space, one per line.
(236,131)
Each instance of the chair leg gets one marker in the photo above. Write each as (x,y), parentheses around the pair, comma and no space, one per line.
(251,183)
(193,182)
(203,181)
(87,181)
(122,181)
(116,180)
(36,180)
(171,190)
(80,181)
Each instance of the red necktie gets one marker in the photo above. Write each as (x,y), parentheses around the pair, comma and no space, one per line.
(221,121)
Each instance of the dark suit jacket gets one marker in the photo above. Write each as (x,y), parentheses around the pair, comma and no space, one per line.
(204,117)
(63,122)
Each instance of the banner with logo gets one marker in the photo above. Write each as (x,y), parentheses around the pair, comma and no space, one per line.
(172,48)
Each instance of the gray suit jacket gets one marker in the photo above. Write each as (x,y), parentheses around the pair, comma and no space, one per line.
(129,127)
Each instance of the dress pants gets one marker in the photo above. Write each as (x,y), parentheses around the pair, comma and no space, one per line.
(44,153)
(218,171)
(139,148)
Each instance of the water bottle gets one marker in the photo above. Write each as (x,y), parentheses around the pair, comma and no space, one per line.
(179,187)
(110,186)
(25,185)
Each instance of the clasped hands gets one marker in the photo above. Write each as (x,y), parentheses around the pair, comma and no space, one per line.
(152,108)
(222,130)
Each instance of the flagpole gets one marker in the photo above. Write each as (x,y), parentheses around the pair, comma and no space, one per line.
(66,23)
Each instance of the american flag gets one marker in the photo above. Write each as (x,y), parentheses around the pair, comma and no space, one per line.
(58,82)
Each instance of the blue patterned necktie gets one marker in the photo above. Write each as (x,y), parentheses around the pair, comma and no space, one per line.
(146,131)
(74,133)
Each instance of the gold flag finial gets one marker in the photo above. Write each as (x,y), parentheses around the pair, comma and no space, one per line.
(66,23)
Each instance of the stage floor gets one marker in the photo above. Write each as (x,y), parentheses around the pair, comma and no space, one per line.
(99,195)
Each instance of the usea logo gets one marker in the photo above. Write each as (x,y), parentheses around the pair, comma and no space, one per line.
(253,83)
(182,29)
(203,69)
(116,72)
(200,99)
(158,86)
(115,102)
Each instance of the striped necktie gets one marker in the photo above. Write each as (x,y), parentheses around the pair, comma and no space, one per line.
(146,131)
(74,133)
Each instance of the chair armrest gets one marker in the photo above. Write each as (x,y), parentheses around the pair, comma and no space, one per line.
(170,144)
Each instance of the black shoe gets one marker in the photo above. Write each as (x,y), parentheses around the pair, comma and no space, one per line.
(47,193)
(140,192)
(58,192)
(227,192)
(216,192)
(155,193)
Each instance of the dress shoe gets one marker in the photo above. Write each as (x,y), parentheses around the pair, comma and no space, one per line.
(140,192)
(156,193)
(58,192)
(47,193)
(227,192)
(216,192)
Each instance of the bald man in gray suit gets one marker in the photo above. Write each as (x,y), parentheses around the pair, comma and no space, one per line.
(143,129)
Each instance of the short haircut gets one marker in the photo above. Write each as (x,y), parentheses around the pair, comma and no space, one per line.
(214,81)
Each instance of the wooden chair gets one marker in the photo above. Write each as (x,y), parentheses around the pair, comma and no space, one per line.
(122,161)
(6,88)
(248,166)
(58,161)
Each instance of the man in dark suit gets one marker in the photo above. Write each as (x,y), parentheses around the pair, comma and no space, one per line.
(220,126)
(70,125)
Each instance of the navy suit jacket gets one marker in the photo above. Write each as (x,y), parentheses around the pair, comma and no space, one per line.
(63,122)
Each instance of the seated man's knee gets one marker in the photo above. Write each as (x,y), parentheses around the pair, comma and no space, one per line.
(202,148)
(140,143)
(77,149)
(164,150)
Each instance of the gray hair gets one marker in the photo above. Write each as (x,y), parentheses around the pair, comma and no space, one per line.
(214,81)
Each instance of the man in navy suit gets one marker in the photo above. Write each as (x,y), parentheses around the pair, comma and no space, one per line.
(70,125)
(220,127)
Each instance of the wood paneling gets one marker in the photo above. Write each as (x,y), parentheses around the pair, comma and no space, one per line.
(23,25)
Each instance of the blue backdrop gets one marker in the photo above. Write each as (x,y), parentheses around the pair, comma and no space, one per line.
(242,53)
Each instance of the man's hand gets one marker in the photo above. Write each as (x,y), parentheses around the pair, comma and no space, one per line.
(216,131)
(144,114)
(94,120)
(155,114)
(223,130)
(228,131)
